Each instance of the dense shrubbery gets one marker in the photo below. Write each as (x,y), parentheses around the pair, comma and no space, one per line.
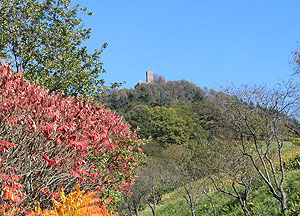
(47,140)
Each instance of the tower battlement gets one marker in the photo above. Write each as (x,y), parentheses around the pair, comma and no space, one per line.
(149,76)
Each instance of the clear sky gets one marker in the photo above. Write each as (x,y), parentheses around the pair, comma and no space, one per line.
(207,42)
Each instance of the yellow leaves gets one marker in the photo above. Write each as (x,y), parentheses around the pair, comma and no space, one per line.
(8,210)
(38,208)
(75,204)
(291,159)
(39,212)
(61,193)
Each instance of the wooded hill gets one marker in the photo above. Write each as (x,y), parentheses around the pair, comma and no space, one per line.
(232,138)
(157,93)
(159,109)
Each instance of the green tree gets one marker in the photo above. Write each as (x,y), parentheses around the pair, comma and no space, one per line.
(162,124)
(168,127)
(44,38)
(187,112)
(140,118)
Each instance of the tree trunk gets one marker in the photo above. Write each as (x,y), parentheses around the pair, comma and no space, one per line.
(154,208)
(243,204)
(129,208)
(153,211)
(192,210)
(245,210)
(136,211)
(211,202)
(283,202)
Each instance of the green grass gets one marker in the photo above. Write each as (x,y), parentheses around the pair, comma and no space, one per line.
(260,203)
(287,146)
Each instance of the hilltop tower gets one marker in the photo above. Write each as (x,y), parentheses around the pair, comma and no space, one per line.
(149,76)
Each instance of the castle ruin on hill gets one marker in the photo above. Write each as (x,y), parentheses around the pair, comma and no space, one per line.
(149,78)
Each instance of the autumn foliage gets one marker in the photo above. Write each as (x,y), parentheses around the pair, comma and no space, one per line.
(74,204)
(47,139)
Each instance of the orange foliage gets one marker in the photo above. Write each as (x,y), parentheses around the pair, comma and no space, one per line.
(8,210)
(75,204)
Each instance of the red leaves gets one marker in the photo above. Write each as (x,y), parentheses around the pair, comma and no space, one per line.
(15,120)
(86,140)
(49,161)
(32,124)
(8,86)
(10,193)
(4,145)
(22,82)
(80,146)
(11,190)
(139,149)
(7,144)
(63,129)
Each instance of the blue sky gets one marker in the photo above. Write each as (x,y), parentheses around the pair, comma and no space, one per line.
(207,42)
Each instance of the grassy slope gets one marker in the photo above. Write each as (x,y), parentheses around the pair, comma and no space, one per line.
(261,202)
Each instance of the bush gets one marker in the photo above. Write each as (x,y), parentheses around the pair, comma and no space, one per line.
(291,159)
(295,141)
(46,139)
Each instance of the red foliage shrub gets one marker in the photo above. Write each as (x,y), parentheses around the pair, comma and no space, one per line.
(49,140)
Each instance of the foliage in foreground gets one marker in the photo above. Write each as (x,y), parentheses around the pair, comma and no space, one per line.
(45,39)
(46,139)
(74,204)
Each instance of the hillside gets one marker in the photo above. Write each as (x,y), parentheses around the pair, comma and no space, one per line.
(160,104)
(261,203)
(233,139)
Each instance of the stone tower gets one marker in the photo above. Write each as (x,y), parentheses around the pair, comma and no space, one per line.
(149,76)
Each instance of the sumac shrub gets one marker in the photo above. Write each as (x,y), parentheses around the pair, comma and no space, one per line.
(62,140)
